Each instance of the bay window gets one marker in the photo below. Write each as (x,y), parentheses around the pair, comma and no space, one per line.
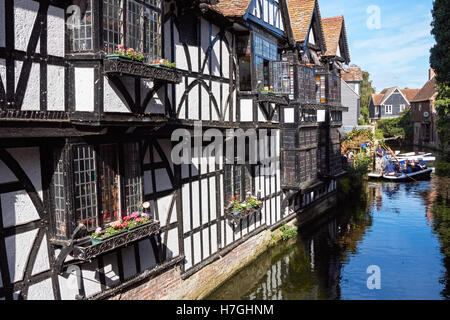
(132,23)
(98,183)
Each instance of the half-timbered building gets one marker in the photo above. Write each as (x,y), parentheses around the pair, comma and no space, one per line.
(86,135)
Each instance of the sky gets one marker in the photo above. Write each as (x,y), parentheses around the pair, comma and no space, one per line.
(393,46)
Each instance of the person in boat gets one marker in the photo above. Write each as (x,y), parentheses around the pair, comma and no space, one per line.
(390,169)
(416,167)
(408,168)
(379,153)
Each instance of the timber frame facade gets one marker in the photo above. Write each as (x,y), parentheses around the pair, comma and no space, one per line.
(85,139)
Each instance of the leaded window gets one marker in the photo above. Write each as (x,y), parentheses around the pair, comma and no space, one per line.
(264,51)
(112,24)
(237,182)
(85,186)
(99,188)
(306,84)
(80,25)
(133,24)
(133,177)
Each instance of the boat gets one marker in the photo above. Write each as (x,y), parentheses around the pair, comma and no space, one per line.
(416,156)
(424,174)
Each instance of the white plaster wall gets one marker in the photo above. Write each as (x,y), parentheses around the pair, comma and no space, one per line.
(205,243)
(215,56)
(41,291)
(25,13)
(148,184)
(204,201)
(55,31)
(193,103)
(90,278)
(84,89)
(215,88)
(113,100)
(2,23)
(195,204)
(205,42)
(3,71)
(156,104)
(129,262)
(32,92)
(261,115)
(55,85)
(18,248)
(179,92)
(193,52)
(197,246)
(111,270)
(146,255)
(206,116)
(187,252)
(68,286)
(246,110)
(186,207)
(320,115)
(172,244)
(162,180)
(163,209)
(226,58)
(42,259)
(289,115)
(29,160)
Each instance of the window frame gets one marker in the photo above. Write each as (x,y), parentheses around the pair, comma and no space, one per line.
(246,182)
(99,17)
(386,109)
(67,157)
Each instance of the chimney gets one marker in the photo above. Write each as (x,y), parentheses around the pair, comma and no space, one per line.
(430,74)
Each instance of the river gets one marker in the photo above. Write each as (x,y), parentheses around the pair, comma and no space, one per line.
(400,230)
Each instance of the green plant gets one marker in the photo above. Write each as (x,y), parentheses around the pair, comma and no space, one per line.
(130,53)
(124,224)
(250,202)
(164,62)
(400,126)
(443,169)
(288,232)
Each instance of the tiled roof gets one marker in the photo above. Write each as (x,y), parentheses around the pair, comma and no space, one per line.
(354,74)
(410,94)
(231,8)
(301,13)
(377,98)
(332,28)
(427,92)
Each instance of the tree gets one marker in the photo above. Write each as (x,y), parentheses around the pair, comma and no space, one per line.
(440,58)
(366,93)
(440,62)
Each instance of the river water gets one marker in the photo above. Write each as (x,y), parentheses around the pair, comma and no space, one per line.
(403,229)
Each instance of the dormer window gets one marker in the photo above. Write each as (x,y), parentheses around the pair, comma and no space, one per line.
(133,24)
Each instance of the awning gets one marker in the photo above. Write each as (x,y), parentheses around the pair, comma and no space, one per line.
(342,133)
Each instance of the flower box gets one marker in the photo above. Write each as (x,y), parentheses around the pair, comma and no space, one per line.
(118,56)
(236,217)
(134,68)
(272,98)
(87,250)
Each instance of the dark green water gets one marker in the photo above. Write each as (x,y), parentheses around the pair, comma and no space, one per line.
(404,229)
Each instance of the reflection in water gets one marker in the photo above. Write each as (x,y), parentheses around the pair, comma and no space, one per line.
(402,228)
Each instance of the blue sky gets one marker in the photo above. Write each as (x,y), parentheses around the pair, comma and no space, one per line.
(396,54)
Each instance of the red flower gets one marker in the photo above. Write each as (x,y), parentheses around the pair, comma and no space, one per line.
(126,218)
(124,225)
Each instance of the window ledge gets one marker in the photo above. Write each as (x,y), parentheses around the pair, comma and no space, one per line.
(87,251)
(138,69)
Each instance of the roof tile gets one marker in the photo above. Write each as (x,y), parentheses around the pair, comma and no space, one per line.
(427,92)
(354,74)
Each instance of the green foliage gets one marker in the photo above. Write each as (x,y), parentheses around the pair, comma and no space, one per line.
(440,59)
(366,93)
(443,115)
(288,232)
(443,169)
(400,126)
(441,223)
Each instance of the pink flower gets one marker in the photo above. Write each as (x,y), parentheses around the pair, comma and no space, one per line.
(98,230)
(116,224)
(126,218)
(138,219)
(144,216)
(135,215)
